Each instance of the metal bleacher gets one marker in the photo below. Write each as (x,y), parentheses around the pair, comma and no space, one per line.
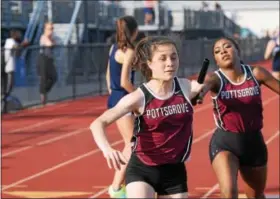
(83,21)
(94,21)
(90,17)
(191,23)
(14,14)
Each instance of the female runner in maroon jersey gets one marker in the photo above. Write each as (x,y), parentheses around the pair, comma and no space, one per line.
(238,144)
(163,125)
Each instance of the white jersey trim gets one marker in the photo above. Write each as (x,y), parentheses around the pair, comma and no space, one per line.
(221,86)
(185,87)
(233,83)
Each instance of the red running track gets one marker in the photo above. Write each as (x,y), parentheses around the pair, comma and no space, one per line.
(49,152)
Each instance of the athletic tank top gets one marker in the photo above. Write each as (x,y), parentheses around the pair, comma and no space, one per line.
(116,70)
(238,107)
(163,133)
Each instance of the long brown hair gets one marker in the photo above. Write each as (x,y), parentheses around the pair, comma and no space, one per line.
(144,52)
(126,26)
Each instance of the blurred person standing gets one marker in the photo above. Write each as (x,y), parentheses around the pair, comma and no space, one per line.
(204,6)
(12,50)
(45,65)
(273,50)
(149,11)
(218,7)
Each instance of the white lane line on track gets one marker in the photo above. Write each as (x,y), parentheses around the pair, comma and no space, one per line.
(39,124)
(69,134)
(79,158)
(55,167)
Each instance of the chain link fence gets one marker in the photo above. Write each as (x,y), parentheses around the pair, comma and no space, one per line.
(81,68)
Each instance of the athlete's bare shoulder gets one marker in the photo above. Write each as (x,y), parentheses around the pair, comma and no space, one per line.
(133,99)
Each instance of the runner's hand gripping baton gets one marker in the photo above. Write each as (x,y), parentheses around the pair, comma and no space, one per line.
(201,78)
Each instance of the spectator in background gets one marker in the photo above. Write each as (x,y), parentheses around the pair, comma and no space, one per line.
(12,50)
(45,66)
(204,6)
(266,34)
(149,11)
(170,17)
(218,6)
(273,50)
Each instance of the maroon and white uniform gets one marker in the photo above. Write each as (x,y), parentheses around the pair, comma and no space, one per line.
(238,107)
(163,133)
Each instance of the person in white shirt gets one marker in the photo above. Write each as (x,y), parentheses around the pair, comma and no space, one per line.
(12,49)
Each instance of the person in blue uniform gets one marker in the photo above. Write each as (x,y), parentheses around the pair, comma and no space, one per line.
(120,79)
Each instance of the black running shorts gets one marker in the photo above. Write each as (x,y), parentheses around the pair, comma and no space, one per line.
(248,147)
(165,179)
